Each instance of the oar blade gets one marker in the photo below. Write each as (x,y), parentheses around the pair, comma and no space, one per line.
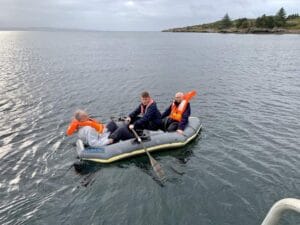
(157,169)
(155,165)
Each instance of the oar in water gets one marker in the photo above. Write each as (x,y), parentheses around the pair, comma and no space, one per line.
(155,165)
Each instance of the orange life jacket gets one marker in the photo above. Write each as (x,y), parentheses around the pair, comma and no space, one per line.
(75,124)
(177,111)
(147,106)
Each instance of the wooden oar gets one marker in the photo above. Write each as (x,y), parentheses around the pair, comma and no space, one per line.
(155,165)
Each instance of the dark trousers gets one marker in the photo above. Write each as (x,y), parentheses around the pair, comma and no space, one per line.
(170,125)
(121,133)
(146,126)
(111,126)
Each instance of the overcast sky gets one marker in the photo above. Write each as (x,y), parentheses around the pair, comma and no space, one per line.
(132,15)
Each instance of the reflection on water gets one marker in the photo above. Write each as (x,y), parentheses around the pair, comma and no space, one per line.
(246,158)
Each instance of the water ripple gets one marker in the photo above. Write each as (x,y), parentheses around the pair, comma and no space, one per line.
(248,100)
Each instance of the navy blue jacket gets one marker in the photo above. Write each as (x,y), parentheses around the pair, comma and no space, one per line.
(152,115)
(185,116)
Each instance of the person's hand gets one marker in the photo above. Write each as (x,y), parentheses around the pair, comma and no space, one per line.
(127,119)
(179,131)
(131,126)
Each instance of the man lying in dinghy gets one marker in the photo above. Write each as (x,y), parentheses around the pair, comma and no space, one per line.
(176,116)
(90,131)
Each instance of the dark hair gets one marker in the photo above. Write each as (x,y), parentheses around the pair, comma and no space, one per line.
(145,94)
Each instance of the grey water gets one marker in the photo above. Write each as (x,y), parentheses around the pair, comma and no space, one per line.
(246,158)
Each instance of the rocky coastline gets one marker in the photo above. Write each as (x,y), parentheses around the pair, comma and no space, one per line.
(252,30)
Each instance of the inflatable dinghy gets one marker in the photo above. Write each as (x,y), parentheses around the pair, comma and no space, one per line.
(156,140)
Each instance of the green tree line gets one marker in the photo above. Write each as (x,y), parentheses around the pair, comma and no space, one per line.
(278,20)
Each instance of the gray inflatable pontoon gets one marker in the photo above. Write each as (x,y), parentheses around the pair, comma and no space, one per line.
(158,140)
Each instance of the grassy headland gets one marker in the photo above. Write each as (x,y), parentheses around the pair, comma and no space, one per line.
(279,23)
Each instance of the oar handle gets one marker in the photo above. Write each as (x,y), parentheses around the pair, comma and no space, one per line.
(140,141)
(136,135)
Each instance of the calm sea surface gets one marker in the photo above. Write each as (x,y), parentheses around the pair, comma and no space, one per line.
(246,158)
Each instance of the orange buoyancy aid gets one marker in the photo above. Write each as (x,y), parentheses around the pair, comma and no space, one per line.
(177,111)
(143,111)
(75,124)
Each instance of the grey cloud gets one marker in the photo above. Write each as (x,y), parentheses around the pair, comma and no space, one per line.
(131,15)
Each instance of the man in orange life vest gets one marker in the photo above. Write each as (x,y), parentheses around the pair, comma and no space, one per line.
(176,116)
(90,131)
(145,116)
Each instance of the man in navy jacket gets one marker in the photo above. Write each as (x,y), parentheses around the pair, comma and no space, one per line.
(146,115)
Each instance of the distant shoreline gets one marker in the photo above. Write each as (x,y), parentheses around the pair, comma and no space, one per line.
(42,29)
(50,29)
(279,23)
(235,31)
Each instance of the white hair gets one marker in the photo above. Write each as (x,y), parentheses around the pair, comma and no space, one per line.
(179,94)
(79,113)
